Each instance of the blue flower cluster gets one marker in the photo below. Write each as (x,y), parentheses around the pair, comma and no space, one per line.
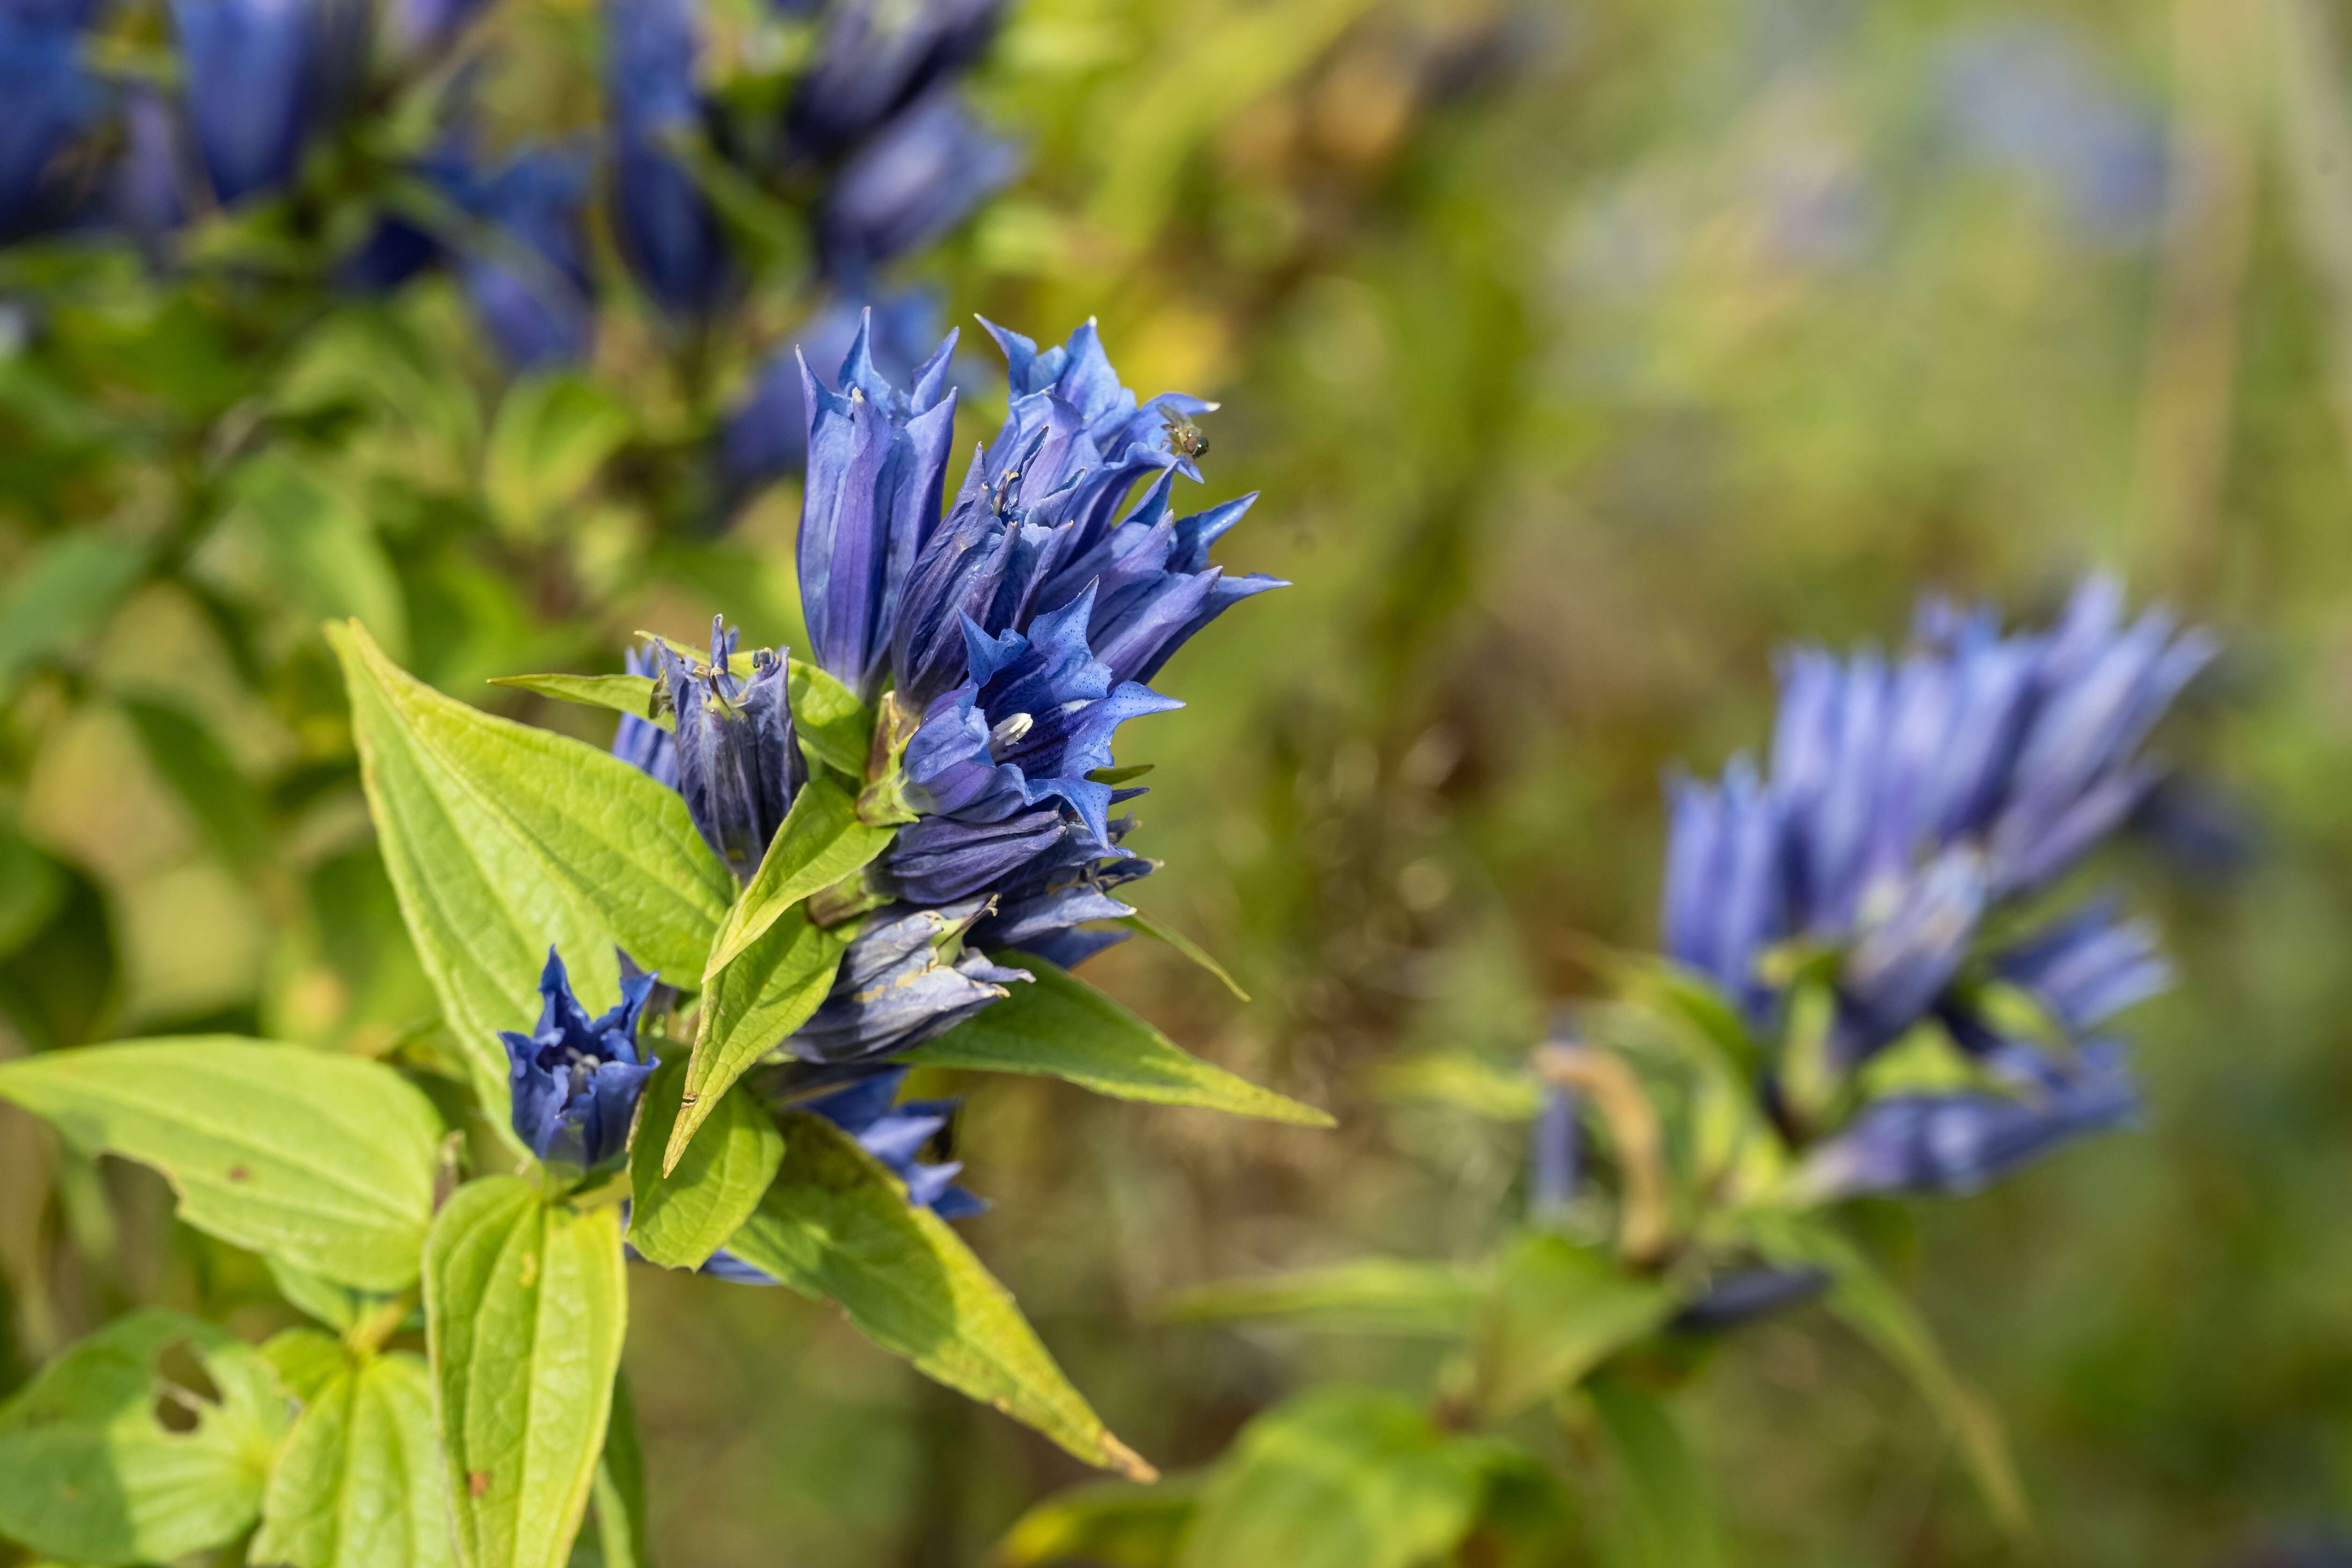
(874,143)
(1006,637)
(1907,806)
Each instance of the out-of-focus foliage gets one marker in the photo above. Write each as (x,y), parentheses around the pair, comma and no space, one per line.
(1585,353)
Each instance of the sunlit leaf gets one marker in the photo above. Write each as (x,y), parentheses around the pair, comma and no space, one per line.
(1117,1524)
(1064,1028)
(1371,1295)
(836,1224)
(360,1484)
(325,1160)
(679,1220)
(525,1306)
(150,1440)
(766,993)
(1147,926)
(820,841)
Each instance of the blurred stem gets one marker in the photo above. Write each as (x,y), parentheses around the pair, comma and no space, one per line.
(2192,360)
(370,1332)
(1642,1209)
(2316,145)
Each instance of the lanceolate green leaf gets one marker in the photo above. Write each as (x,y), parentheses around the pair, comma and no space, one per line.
(1371,1295)
(1117,1523)
(1184,945)
(632,694)
(620,1489)
(524,1307)
(323,1161)
(360,1484)
(837,1225)
(90,1473)
(1066,1029)
(753,1004)
(820,842)
(1556,1310)
(502,840)
(1666,1519)
(679,1220)
(1337,1478)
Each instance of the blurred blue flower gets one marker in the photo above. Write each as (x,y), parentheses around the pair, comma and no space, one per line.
(739,762)
(877,461)
(1744,1295)
(260,77)
(766,433)
(576,1080)
(666,228)
(909,183)
(877,56)
(1958,1143)
(640,742)
(2028,96)
(897,1135)
(50,100)
(149,178)
(999,767)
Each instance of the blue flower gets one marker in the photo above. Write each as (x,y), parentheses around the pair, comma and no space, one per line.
(907,978)
(739,761)
(526,269)
(51,99)
(642,743)
(260,77)
(897,1135)
(874,59)
(576,1080)
(766,434)
(875,462)
(999,767)
(917,178)
(1744,1295)
(667,231)
(1954,1144)
(146,185)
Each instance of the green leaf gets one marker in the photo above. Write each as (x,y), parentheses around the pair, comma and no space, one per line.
(503,840)
(820,841)
(1184,945)
(359,1483)
(551,434)
(837,1225)
(1064,1028)
(620,1490)
(311,545)
(525,1305)
(1668,1521)
(1115,1524)
(1371,1295)
(148,1440)
(1341,1477)
(1462,1080)
(194,762)
(678,1221)
(324,1161)
(337,1305)
(833,726)
(755,1002)
(63,596)
(1870,1304)
(1556,1310)
(630,694)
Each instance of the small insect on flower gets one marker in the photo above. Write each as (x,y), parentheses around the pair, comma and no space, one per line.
(1184,438)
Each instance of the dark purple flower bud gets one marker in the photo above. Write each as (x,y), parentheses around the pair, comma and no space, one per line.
(667,230)
(877,459)
(997,762)
(575,1081)
(905,979)
(875,59)
(51,99)
(1954,1144)
(739,761)
(1746,1294)
(642,743)
(916,179)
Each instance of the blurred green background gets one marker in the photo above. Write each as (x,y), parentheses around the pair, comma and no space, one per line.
(1584,352)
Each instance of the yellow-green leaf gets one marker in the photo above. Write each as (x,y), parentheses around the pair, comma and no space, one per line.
(766,993)
(360,1484)
(681,1219)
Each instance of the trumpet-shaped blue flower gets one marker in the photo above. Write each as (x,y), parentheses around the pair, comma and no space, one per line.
(51,99)
(877,459)
(875,59)
(999,767)
(739,761)
(576,1080)
(898,1135)
(766,434)
(906,978)
(909,183)
(667,231)
(261,77)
